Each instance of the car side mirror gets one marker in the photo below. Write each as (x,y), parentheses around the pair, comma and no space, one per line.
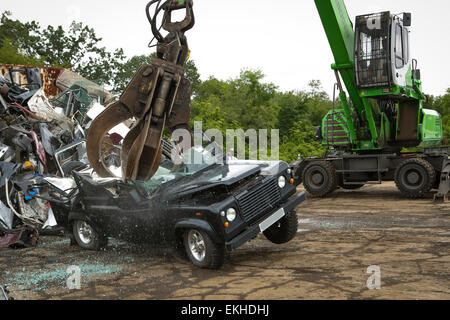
(407,19)
(417,75)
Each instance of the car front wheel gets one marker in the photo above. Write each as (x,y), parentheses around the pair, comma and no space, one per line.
(202,251)
(284,230)
(86,236)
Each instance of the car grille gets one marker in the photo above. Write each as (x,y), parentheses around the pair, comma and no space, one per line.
(259,201)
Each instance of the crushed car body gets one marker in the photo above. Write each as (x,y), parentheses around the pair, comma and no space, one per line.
(204,208)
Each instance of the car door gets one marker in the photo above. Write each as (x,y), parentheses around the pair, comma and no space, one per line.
(136,218)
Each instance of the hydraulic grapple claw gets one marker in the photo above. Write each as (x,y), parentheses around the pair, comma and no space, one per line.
(112,116)
(157,97)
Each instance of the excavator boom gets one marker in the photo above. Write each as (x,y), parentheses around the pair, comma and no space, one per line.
(341,37)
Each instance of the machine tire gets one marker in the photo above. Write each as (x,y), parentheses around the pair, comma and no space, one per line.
(209,255)
(284,230)
(320,178)
(415,177)
(94,241)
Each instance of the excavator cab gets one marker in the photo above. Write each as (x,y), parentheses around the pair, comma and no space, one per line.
(385,72)
(372,54)
(382,50)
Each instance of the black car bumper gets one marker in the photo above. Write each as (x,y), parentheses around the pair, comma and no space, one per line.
(258,227)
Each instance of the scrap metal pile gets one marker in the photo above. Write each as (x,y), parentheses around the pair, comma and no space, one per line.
(55,121)
(43,125)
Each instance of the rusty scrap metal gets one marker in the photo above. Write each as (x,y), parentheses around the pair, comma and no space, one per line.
(24,236)
(48,76)
(157,97)
(68,79)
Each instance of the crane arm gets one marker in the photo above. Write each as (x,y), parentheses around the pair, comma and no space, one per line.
(341,37)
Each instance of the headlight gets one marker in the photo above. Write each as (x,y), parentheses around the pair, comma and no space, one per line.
(281,182)
(231,214)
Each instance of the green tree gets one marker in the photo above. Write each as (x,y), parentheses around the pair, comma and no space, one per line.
(77,48)
(301,142)
(319,102)
(293,108)
(22,36)
(128,70)
(193,75)
(12,55)
(442,105)
(245,100)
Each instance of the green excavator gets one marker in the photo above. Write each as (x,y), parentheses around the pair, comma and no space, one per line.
(365,132)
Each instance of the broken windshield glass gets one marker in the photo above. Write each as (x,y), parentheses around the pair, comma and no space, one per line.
(188,164)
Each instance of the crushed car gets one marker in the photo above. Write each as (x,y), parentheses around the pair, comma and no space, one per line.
(204,209)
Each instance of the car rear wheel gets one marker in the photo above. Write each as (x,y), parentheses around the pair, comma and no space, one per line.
(284,230)
(86,236)
(202,251)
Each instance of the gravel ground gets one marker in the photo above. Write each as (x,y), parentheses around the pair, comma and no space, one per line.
(338,239)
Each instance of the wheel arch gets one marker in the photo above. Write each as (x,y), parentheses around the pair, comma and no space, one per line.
(77,215)
(186,224)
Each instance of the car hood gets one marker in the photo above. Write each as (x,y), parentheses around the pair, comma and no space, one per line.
(226,175)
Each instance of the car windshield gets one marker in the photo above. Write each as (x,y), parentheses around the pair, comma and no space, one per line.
(189,163)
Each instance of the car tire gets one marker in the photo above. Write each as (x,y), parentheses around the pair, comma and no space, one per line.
(415,177)
(284,230)
(202,251)
(86,236)
(320,179)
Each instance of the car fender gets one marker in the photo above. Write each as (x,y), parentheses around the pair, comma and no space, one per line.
(76,215)
(199,225)
(297,168)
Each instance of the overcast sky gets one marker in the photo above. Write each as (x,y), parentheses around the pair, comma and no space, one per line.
(284,38)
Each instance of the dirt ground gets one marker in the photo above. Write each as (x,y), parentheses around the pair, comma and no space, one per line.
(338,239)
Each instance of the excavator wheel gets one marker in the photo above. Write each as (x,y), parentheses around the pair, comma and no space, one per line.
(320,178)
(415,177)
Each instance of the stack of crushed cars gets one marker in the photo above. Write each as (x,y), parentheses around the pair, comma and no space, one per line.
(43,124)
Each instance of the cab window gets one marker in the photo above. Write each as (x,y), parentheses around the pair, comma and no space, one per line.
(405,46)
(399,61)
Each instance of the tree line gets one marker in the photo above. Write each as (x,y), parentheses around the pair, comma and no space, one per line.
(244,102)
